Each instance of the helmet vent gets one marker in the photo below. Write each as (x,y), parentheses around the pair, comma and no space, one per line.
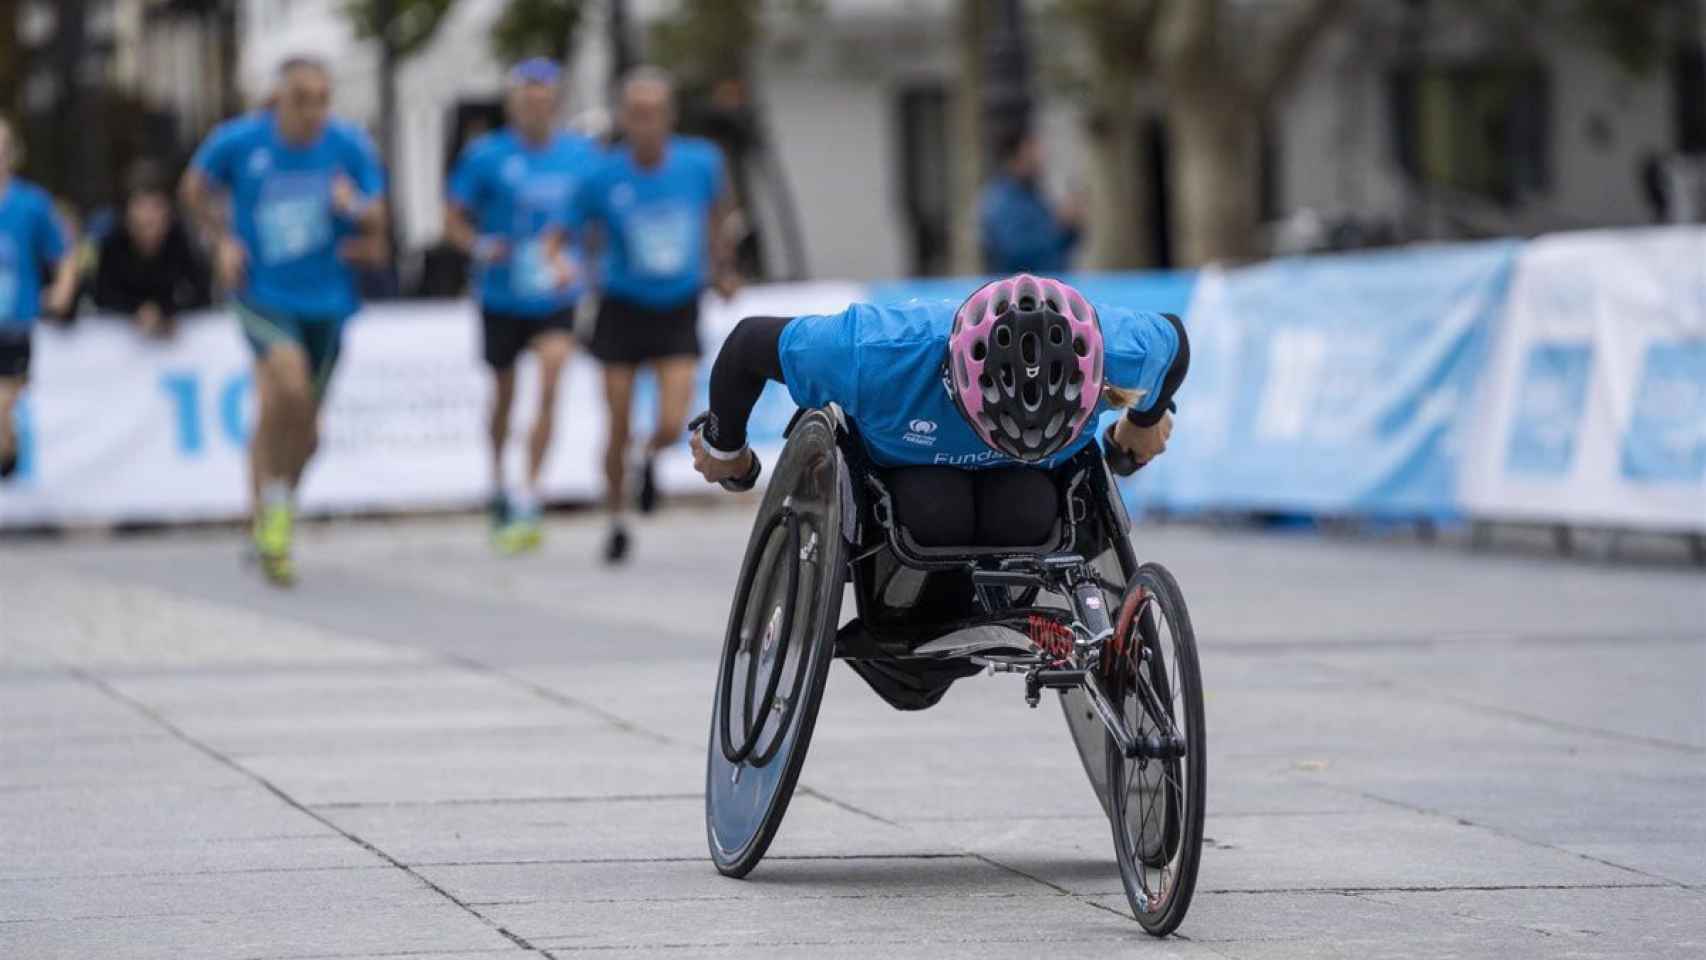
(1053,305)
(1004,337)
(1054,424)
(1032,396)
(1055,373)
(1008,385)
(1080,347)
(1010,426)
(1030,349)
(1027,303)
(979,350)
(988,385)
(1001,307)
(1057,335)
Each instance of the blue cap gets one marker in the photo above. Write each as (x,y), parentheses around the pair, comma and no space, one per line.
(535,70)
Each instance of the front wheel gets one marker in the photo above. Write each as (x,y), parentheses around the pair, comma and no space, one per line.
(1156,803)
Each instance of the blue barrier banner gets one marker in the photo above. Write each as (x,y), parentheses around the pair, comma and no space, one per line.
(1333,385)
(1163,291)
(1594,402)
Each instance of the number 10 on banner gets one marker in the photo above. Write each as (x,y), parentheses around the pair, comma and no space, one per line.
(229,413)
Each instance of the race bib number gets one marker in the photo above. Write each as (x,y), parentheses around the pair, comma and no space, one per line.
(294,216)
(531,273)
(662,239)
(8,279)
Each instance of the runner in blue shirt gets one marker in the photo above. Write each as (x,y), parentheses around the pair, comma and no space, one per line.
(966,409)
(305,198)
(659,202)
(507,196)
(31,241)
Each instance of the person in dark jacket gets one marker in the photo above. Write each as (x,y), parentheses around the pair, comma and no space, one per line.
(1021,231)
(148,269)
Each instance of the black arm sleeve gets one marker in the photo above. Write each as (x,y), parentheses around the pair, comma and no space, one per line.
(1169,383)
(751,355)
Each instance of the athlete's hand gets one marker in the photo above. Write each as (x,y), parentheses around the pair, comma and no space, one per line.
(151,321)
(58,302)
(346,199)
(715,470)
(490,249)
(1143,443)
(230,263)
(563,270)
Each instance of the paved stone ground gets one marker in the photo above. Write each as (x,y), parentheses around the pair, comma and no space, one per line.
(427,752)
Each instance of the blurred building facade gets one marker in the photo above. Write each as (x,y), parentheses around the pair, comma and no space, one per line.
(1389,134)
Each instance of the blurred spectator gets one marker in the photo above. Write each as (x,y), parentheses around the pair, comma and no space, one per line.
(147,268)
(1020,230)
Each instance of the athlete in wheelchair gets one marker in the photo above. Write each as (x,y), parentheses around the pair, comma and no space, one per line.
(944,463)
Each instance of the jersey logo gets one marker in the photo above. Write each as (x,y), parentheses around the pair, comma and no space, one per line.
(921,432)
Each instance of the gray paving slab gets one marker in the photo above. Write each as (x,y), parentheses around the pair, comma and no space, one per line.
(132,758)
(1663,922)
(1348,926)
(379,887)
(61,709)
(623,829)
(553,762)
(284,935)
(952,923)
(1292,852)
(1059,945)
(546,885)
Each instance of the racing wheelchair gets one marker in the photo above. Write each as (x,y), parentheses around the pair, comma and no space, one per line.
(1077,615)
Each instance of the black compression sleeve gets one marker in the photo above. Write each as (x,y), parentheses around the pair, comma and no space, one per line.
(751,355)
(1169,383)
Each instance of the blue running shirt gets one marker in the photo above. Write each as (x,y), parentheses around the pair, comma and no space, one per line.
(517,191)
(657,221)
(281,204)
(30,241)
(886,366)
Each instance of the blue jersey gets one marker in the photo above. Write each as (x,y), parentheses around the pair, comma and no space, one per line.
(281,205)
(886,366)
(656,222)
(30,242)
(519,192)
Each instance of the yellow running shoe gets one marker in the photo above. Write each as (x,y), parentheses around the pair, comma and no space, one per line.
(273,533)
(520,535)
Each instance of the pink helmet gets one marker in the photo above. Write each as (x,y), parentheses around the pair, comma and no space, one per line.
(1026,361)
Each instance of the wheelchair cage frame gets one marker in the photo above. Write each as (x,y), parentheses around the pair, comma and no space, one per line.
(1065,648)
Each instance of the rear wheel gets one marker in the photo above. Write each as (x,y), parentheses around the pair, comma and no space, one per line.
(1156,804)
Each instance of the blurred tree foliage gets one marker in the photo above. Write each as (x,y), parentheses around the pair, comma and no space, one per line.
(11,65)
(1221,66)
(537,28)
(413,22)
(705,41)
(1635,34)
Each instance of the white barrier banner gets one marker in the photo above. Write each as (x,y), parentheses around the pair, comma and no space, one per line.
(116,427)
(1593,409)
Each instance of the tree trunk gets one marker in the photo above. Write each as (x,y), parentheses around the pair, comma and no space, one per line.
(966,255)
(1117,213)
(1216,174)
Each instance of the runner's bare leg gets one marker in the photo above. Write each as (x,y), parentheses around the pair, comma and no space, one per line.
(552,350)
(619,402)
